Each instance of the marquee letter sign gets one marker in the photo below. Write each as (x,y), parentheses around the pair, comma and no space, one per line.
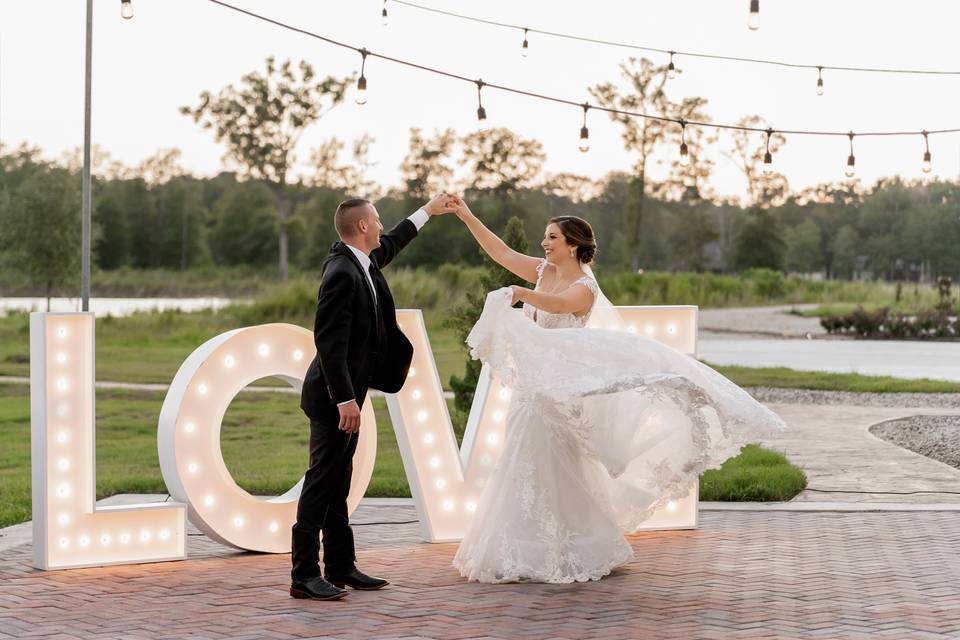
(446,481)
(68,531)
(189,435)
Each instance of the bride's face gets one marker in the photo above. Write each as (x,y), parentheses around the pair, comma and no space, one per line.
(555,247)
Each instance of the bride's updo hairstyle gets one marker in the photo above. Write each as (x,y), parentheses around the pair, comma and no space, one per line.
(578,233)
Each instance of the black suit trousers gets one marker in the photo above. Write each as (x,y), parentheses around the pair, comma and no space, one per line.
(323,502)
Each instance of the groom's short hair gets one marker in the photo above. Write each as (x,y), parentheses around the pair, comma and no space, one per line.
(347,215)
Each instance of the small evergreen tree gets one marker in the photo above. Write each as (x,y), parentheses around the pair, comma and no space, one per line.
(465,316)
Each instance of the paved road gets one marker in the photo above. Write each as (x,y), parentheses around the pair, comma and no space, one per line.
(897,358)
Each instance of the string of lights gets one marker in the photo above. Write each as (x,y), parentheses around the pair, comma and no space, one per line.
(754,11)
(584,133)
(753,21)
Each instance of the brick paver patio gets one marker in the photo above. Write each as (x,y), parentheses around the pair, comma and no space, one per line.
(834,447)
(743,574)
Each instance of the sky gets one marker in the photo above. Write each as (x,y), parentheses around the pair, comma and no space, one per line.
(144,69)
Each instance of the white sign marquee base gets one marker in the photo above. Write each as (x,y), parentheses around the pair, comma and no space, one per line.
(68,530)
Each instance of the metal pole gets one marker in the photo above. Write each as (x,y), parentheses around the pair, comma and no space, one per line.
(85,240)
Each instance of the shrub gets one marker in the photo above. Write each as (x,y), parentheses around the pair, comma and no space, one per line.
(867,323)
(931,323)
(901,326)
(767,283)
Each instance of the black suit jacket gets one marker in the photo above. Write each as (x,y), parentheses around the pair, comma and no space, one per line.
(359,344)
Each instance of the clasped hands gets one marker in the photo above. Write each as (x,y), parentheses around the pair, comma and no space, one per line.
(450,203)
(445,203)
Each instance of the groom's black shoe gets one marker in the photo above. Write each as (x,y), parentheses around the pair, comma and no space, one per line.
(356,579)
(316,589)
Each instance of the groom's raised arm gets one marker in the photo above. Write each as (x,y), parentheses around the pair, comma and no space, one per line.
(331,332)
(391,242)
(400,236)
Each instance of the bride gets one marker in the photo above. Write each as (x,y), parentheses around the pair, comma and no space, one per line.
(604,427)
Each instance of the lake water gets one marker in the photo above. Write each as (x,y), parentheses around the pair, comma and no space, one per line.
(902,359)
(113,306)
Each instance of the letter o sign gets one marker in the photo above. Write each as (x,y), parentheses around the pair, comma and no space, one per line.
(188,436)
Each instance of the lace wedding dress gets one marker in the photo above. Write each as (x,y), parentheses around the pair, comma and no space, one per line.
(603,428)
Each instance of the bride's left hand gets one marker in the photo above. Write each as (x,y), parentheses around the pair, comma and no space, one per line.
(518,293)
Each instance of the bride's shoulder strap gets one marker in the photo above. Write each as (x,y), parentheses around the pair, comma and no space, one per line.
(589,283)
(541,267)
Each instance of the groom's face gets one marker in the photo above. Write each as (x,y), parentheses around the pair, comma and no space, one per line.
(373,227)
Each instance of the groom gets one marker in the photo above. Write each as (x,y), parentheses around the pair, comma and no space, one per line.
(359,346)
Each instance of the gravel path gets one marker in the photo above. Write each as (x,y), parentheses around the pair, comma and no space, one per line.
(761,322)
(769,395)
(936,437)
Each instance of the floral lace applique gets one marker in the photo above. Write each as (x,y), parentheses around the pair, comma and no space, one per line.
(549,320)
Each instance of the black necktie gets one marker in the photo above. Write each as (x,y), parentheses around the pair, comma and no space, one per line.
(381,330)
(372,269)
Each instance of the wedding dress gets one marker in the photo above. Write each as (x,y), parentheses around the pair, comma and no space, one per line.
(604,427)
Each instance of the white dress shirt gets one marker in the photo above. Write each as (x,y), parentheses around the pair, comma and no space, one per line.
(418,218)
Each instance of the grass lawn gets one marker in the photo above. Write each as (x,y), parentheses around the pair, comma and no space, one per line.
(837,309)
(843,308)
(149,348)
(756,475)
(792,379)
(273,425)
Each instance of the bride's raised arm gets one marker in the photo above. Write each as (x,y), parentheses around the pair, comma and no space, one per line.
(517,263)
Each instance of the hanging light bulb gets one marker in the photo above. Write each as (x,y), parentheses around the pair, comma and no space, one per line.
(481,112)
(851,161)
(819,81)
(126,9)
(754,21)
(525,47)
(584,132)
(768,157)
(926,166)
(684,151)
(362,82)
(671,68)
(383,14)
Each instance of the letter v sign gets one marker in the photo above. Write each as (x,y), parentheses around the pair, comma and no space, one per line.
(446,482)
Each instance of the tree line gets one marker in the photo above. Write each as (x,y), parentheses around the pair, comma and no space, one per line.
(256,213)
